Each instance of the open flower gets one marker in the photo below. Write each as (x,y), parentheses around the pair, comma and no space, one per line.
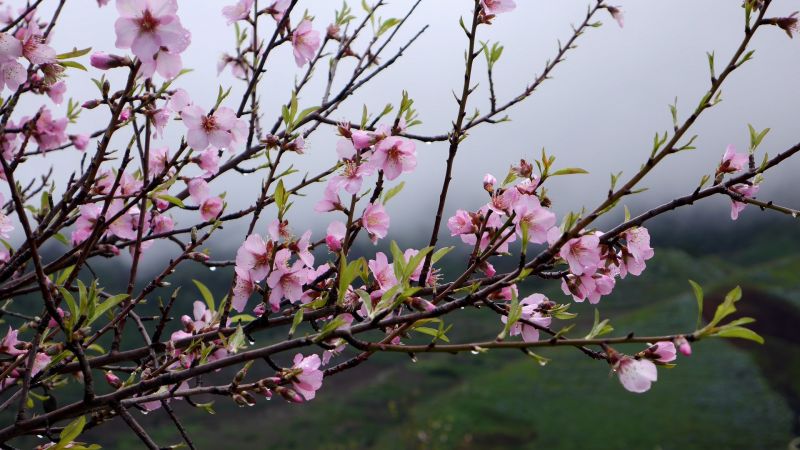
(746,191)
(147,26)
(286,281)
(309,380)
(636,375)
(375,221)
(395,155)
(582,254)
(254,257)
(530,305)
(538,219)
(497,6)
(238,11)
(305,42)
(215,129)
(732,161)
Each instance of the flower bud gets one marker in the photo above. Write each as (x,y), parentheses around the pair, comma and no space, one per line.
(113,380)
(683,346)
(104,61)
(289,394)
(488,182)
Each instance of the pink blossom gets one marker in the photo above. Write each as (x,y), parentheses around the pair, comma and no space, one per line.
(49,133)
(160,119)
(636,375)
(498,6)
(166,64)
(352,176)
(335,235)
(395,155)
(238,11)
(162,223)
(86,222)
(56,92)
(179,101)
(198,190)
(286,281)
(745,190)
(539,220)
(305,42)
(309,380)
(461,223)
(662,351)
(215,129)
(278,9)
(582,254)
(301,249)
(345,149)
(529,306)
(242,290)
(617,14)
(158,160)
(375,221)
(125,225)
(148,26)
(10,344)
(209,161)
(636,252)
(33,45)
(503,202)
(330,200)
(382,271)
(488,182)
(80,141)
(40,361)
(732,161)
(361,139)
(12,73)
(112,379)
(5,226)
(211,208)
(254,257)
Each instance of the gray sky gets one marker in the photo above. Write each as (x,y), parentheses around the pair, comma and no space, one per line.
(599,112)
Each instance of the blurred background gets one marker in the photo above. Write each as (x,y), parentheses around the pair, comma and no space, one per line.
(599,112)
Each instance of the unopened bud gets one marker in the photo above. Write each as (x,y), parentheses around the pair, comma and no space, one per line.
(488,182)
(104,61)
(113,380)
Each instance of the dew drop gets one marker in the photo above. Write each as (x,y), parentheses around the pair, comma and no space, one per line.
(145,412)
(794,214)
(413,359)
(40,436)
(475,352)
(212,268)
(429,143)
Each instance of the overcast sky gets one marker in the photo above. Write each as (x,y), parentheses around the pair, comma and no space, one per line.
(599,112)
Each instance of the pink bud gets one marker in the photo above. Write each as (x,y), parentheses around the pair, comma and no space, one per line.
(683,346)
(80,141)
(488,182)
(113,380)
(104,61)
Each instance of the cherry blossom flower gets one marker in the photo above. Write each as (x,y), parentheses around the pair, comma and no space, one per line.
(301,249)
(40,361)
(488,182)
(497,6)
(148,26)
(211,208)
(166,64)
(278,9)
(636,251)
(375,221)
(85,222)
(198,189)
(663,352)
(238,11)
(34,48)
(503,201)
(335,234)
(254,257)
(732,161)
(395,155)
(215,129)
(286,281)
(582,254)
(538,219)
(617,14)
(56,92)
(162,223)
(309,380)
(242,290)
(12,73)
(636,375)
(746,191)
(382,271)
(529,305)
(10,344)
(49,133)
(158,160)
(179,101)
(305,42)
(330,200)
(209,161)
(461,223)
(80,141)
(352,176)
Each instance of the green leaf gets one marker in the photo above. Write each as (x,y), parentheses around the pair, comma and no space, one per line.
(206,293)
(75,53)
(437,335)
(174,200)
(70,432)
(439,254)
(110,303)
(298,319)
(393,191)
(568,171)
(74,65)
(698,294)
(739,332)
(386,26)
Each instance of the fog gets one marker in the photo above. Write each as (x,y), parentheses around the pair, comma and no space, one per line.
(599,112)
